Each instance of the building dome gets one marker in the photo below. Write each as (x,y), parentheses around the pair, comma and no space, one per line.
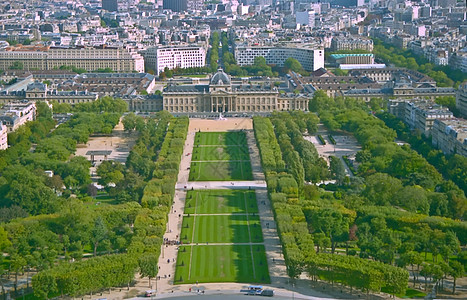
(220,78)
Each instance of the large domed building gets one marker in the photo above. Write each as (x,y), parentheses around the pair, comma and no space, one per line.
(225,96)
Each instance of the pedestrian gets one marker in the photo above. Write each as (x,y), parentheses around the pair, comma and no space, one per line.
(189,290)
(168,261)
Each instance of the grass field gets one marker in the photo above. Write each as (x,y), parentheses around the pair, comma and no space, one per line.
(220,171)
(221,229)
(204,153)
(232,263)
(220,202)
(233,138)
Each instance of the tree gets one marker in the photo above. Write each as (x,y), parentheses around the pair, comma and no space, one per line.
(456,271)
(98,233)
(110,172)
(337,169)
(17,264)
(148,266)
(168,73)
(291,64)
(17,65)
(381,188)
(44,284)
(4,241)
(129,122)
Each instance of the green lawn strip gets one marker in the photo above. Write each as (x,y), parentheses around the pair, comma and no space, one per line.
(409,293)
(221,229)
(220,153)
(261,264)
(221,264)
(221,138)
(183,264)
(220,201)
(220,171)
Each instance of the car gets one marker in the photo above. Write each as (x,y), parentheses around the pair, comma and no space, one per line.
(150,293)
(267,293)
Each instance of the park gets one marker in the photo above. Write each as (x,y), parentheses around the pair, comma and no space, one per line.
(221,228)
(220,156)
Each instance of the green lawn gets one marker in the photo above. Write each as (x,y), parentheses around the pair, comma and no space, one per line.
(220,171)
(409,293)
(204,153)
(221,229)
(232,138)
(246,264)
(220,201)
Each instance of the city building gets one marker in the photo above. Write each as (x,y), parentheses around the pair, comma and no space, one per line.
(176,5)
(461,99)
(365,84)
(110,5)
(310,56)
(354,61)
(450,136)
(306,18)
(3,137)
(30,89)
(88,58)
(15,114)
(159,58)
(351,43)
(419,114)
(221,95)
(109,84)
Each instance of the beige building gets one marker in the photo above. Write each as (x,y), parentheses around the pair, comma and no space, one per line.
(351,43)
(223,96)
(419,114)
(88,58)
(32,90)
(3,137)
(450,136)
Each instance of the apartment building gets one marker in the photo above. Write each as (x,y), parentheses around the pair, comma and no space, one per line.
(15,114)
(450,136)
(33,90)
(461,99)
(310,56)
(88,58)
(351,43)
(3,137)
(159,58)
(419,114)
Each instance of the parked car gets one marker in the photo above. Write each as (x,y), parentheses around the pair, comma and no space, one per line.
(267,293)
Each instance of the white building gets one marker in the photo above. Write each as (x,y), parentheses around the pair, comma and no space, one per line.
(310,56)
(306,18)
(159,58)
(3,137)
(15,114)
